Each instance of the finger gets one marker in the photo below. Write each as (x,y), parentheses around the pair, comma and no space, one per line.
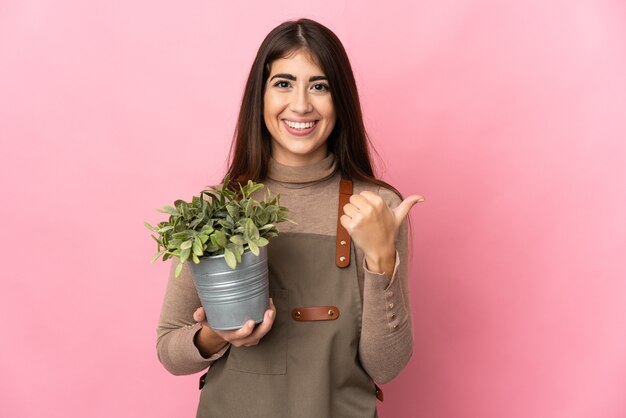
(199,315)
(371,196)
(346,222)
(372,201)
(239,336)
(350,210)
(360,202)
(405,206)
(263,328)
(242,332)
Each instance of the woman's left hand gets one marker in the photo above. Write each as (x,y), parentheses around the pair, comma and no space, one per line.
(373,226)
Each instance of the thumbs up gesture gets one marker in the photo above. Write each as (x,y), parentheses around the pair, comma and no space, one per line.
(373,226)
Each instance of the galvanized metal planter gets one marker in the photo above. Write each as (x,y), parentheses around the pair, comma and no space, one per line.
(232,297)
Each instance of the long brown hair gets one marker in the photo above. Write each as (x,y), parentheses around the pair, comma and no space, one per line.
(250,150)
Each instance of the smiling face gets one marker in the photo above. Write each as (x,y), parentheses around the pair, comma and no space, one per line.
(298,110)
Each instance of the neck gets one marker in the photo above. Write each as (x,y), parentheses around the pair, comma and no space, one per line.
(311,172)
(287,158)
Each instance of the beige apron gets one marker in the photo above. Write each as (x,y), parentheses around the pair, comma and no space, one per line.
(307,365)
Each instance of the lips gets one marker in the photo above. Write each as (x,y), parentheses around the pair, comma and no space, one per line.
(299,128)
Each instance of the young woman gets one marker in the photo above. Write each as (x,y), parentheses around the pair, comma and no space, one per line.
(339,320)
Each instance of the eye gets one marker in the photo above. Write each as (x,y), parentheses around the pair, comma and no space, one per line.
(320,87)
(281,84)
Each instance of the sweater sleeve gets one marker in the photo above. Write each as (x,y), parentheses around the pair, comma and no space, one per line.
(386,341)
(177,328)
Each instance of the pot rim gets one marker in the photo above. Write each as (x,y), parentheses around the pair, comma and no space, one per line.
(222,255)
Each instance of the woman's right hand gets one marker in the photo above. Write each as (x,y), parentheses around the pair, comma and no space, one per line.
(246,336)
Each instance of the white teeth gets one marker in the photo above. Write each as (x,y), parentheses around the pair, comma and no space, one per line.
(299,125)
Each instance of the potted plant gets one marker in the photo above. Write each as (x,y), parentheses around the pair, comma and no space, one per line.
(224,232)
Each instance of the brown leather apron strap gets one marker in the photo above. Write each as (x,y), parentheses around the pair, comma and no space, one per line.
(342,256)
(315,313)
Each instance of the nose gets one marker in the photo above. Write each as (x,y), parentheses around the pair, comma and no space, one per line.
(300,102)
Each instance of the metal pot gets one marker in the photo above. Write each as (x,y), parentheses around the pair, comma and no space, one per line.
(232,297)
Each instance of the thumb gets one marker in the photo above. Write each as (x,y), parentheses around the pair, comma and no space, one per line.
(403,208)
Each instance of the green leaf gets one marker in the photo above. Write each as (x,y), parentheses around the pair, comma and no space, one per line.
(173,244)
(220,239)
(150,227)
(179,268)
(196,222)
(169,209)
(251,230)
(186,245)
(237,239)
(249,206)
(211,248)
(238,251)
(230,259)
(233,211)
(252,187)
(253,247)
(197,247)
(184,235)
(262,216)
(203,238)
(210,194)
(182,207)
(165,229)
(262,242)
(184,254)
(227,223)
(195,258)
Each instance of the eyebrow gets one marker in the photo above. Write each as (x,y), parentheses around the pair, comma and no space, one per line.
(293,77)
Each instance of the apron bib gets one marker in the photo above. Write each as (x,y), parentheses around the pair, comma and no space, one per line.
(307,365)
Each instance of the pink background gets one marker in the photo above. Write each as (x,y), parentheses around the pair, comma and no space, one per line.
(508,116)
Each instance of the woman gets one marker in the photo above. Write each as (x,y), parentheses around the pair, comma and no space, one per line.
(339,320)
